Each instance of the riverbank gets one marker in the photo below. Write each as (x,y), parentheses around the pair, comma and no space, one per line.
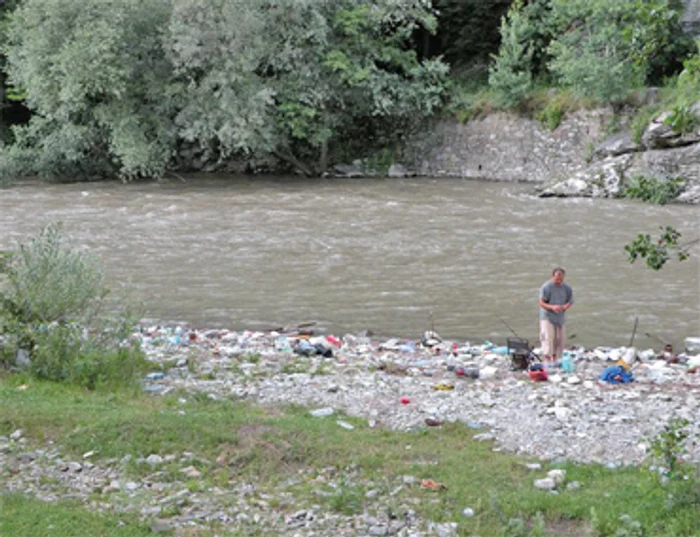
(572,416)
(290,433)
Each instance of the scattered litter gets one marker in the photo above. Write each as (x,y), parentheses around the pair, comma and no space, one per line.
(322,412)
(432,485)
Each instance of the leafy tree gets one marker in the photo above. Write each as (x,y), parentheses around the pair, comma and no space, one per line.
(95,76)
(511,73)
(290,78)
(468,30)
(603,49)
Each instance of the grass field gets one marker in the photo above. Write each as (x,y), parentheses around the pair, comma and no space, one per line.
(268,446)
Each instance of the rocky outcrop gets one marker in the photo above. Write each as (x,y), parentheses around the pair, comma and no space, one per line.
(662,153)
(691,17)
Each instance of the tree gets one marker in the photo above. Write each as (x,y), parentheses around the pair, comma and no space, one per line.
(291,78)
(603,49)
(96,77)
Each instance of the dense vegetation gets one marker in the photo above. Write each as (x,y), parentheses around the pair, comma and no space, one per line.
(135,89)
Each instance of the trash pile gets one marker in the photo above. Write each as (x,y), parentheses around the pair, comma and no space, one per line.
(429,355)
(573,409)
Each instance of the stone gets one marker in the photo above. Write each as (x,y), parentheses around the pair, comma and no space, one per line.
(692,345)
(23,360)
(75,467)
(558,476)
(545,484)
(348,170)
(191,472)
(161,526)
(398,171)
(618,144)
(16,435)
(154,460)
(468,512)
(378,530)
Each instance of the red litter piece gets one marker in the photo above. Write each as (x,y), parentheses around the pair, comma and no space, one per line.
(405,400)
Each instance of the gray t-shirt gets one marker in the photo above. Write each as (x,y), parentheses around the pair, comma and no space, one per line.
(556,295)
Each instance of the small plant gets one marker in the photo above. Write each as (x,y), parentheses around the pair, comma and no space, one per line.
(551,116)
(653,190)
(670,446)
(589,152)
(682,120)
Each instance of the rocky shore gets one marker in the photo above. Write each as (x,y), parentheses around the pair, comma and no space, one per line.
(399,384)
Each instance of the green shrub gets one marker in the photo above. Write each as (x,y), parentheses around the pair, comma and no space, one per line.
(53,306)
(653,190)
(49,281)
(551,115)
(682,119)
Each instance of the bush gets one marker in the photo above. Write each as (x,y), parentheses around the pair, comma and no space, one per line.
(659,191)
(52,306)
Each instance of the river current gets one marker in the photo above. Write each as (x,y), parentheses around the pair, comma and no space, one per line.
(392,256)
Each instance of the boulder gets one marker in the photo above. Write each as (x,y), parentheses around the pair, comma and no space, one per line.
(397,171)
(618,144)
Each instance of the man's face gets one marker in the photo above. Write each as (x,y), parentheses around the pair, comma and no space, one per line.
(558,278)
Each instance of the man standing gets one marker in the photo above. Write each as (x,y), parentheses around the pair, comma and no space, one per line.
(555,298)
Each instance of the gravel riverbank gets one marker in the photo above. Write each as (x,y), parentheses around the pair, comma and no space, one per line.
(571,416)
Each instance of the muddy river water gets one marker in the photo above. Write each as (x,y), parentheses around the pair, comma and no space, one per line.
(393,256)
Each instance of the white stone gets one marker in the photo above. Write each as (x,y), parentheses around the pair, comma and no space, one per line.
(468,512)
(573,379)
(154,459)
(545,484)
(558,476)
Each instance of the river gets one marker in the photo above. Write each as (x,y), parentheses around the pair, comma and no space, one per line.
(392,256)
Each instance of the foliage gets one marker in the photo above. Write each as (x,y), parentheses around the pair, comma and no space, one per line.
(97,80)
(510,75)
(657,252)
(589,52)
(49,281)
(468,30)
(682,119)
(307,75)
(653,190)
(51,306)
(117,88)
(551,115)
(670,446)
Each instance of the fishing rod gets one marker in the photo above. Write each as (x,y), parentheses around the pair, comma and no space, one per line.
(634,331)
(509,327)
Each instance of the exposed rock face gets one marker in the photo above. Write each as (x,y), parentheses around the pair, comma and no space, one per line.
(576,159)
(507,147)
(691,17)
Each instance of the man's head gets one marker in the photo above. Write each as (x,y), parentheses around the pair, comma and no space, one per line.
(558,275)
